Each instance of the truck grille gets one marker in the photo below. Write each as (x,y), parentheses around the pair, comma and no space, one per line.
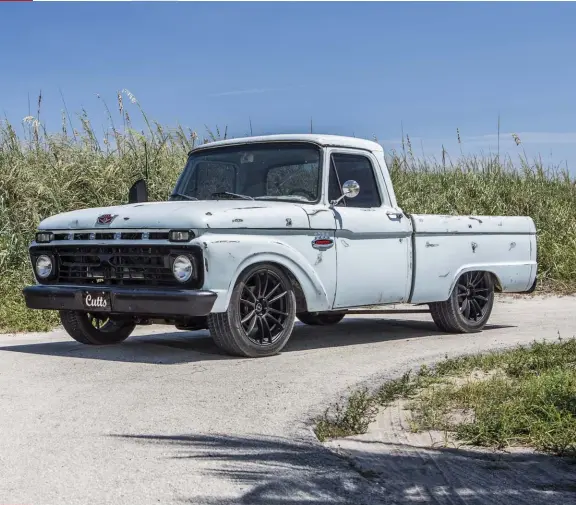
(117,265)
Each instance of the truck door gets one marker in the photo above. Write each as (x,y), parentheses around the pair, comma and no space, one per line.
(372,238)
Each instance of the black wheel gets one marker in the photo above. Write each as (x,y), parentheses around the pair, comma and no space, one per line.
(260,315)
(95,329)
(469,306)
(320,318)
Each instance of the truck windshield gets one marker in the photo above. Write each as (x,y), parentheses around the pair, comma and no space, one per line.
(267,171)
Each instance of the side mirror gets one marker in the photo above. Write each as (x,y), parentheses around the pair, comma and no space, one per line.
(138,192)
(350,189)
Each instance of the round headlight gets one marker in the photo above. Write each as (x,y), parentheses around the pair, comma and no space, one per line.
(44,266)
(182,268)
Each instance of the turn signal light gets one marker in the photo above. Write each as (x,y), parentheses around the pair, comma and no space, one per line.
(180,235)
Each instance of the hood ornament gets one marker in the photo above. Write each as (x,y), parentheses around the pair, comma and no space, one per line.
(106,218)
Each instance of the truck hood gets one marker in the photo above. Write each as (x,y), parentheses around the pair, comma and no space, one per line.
(185,215)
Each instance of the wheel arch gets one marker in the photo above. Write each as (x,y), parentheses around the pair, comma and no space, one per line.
(308,289)
(477,268)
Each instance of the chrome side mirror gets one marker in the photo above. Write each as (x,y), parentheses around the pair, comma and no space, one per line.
(350,189)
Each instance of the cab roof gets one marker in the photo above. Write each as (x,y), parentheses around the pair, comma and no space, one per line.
(322,140)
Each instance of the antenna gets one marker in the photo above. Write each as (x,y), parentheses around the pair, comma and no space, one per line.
(145,161)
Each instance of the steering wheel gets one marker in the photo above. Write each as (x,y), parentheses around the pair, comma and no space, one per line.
(306,193)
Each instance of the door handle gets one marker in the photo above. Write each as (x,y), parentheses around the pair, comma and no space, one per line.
(392,214)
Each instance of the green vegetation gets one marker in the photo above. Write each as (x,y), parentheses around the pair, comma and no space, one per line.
(520,397)
(44,173)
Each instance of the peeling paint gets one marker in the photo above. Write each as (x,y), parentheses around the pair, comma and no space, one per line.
(208,213)
(237,220)
(474,246)
(288,221)
(205,245)
(206,263)
(401,240)
(512,245)
(428,244)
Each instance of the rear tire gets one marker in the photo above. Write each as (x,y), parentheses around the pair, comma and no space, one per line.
(320,318)
(95,329)
(469,306)
(260,316)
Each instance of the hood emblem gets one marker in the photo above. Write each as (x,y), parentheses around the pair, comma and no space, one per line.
(106,218)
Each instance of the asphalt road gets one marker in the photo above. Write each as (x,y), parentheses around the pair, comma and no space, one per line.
(166,418)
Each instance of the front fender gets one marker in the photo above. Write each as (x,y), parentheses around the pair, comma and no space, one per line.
(227,256)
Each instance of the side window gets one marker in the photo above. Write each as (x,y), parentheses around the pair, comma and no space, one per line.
(358,168)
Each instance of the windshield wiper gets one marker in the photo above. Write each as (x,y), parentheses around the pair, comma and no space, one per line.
(181,195)
(234,195)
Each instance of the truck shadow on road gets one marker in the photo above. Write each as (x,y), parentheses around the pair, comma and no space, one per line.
(271,470)
(186,347)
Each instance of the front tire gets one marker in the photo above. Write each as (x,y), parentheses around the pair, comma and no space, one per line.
(95,329)
(260,316)
(469,306)
(320,318)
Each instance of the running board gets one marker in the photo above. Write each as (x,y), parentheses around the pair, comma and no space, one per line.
(387,311)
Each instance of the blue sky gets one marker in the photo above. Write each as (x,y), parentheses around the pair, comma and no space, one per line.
(361,69)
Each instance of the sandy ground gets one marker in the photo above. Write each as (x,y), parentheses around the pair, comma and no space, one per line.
(166,418)
(431,467)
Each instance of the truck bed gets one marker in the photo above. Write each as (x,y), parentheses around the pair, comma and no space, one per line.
(444,247)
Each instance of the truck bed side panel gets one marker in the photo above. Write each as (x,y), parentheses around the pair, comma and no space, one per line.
(447,246)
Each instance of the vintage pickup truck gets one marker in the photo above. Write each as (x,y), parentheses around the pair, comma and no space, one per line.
(262,231)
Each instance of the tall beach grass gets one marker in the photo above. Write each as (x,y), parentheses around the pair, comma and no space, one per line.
(43,173)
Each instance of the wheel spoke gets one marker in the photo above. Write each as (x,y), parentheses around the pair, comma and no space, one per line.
(247,302)
(249,291)
(274,320)
(267,330)
(265,287)
(461,287)
(477,309)
(276,311)
(252,324)
(272,291)
(480,297)
(277,297)
(248,316)
(477,278)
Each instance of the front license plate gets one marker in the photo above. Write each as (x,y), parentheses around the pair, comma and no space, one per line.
(97,301)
